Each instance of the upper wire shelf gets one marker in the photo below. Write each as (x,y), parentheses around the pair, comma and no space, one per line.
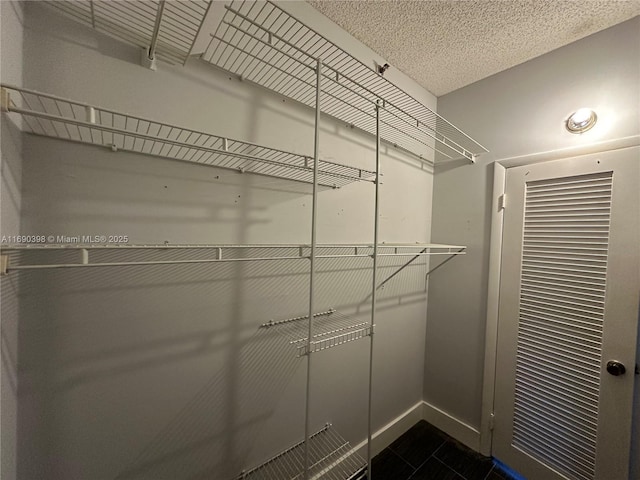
(262,43)
(331,458)
(66,119)
(40,256)
(166,28)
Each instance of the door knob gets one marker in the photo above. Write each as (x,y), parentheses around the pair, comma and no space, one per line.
(615,368)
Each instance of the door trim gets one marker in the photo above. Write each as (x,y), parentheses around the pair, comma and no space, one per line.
(495,263)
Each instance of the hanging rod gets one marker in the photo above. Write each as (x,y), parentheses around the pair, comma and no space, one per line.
(261,43)
(273,323)
(168,29)
(86,260)
(57,117)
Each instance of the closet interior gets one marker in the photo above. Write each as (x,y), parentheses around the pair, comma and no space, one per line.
(266,48)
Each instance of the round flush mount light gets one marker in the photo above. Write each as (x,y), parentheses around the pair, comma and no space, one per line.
(581,120)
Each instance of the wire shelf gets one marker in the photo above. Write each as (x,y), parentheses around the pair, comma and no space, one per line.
(39,256)
(166,28)
(331,458)
(66,119)
(263,44)
(331,329)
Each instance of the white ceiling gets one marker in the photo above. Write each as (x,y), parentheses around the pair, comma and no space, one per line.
(448,44)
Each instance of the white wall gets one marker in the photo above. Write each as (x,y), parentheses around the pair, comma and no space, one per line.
(161,372)
(11,39)
(517,112)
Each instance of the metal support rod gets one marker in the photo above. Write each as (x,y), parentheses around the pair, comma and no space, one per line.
(374,284)
(445,261)
(424,250)
(312,257)
(156,31)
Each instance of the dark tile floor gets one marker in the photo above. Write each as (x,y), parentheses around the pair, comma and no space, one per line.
(426,453)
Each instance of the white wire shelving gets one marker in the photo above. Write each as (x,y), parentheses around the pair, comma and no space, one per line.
(331,329)
(78,255)
(65,119)
(263,44)
(331,458)
(167,29)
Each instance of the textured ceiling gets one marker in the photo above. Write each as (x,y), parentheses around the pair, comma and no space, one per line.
(445,45)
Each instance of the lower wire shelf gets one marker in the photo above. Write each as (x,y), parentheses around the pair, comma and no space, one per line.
(331,329)
(330,457)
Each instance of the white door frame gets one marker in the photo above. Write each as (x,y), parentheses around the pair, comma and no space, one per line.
(495,263)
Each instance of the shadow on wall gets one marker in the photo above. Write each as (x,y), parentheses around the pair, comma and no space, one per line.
(10,207)
(11,166)
(161,372)
(101,42)
(10,204)
(205,75)
(9,325)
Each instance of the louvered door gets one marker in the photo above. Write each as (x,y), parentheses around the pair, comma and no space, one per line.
(568,306)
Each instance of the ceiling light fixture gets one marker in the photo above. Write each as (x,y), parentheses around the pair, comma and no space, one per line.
(581,120)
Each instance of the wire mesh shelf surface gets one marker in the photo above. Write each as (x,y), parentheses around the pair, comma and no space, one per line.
(39,256)
(330,329)
(169,28)
(262,43)
(331,458)
(65,119)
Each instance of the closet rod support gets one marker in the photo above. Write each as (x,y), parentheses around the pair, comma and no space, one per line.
(312,257)
(149,55)
(146,61)
(91,114)
(374,283)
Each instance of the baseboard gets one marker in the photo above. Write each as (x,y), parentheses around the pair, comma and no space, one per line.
(452,426)
(422,410)
(385,436)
